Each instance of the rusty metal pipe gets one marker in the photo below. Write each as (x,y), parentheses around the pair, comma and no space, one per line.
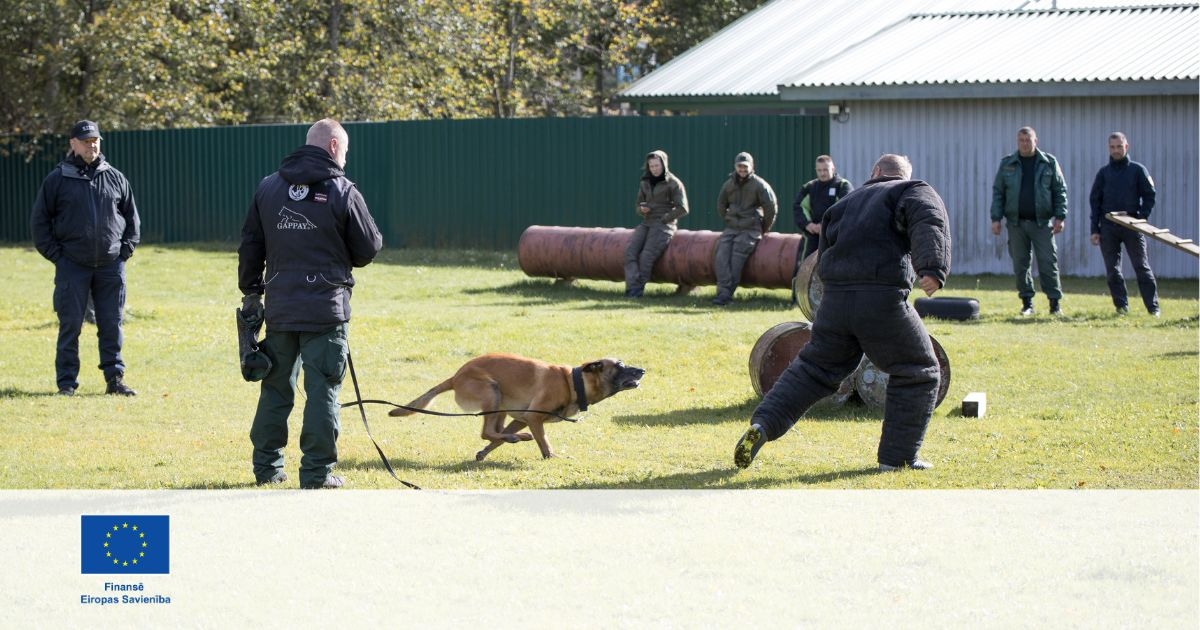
(599,254)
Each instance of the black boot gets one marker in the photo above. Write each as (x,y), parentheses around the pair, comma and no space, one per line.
(1026,307)
(117,386)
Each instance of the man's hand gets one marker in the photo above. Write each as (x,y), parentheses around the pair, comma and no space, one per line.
(930,285)
(1057,226)
(1095,239)
(996,228)
(252,306)
(813,228)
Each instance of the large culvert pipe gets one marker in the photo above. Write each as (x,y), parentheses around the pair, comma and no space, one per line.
(599,254)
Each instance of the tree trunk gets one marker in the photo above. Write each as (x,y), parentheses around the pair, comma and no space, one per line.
(334,29)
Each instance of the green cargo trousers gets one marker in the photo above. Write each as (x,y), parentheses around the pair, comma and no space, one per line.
(323,356)
(1027,239)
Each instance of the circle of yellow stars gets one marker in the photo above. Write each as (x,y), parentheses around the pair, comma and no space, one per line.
(140,539)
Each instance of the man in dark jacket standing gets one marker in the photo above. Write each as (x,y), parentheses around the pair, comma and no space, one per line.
(874,244)
(814,199)
(307,227)
(85,221)
(747,205)
(1123,186)
(1030,195)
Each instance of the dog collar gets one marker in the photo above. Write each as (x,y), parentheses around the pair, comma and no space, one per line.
(580,393)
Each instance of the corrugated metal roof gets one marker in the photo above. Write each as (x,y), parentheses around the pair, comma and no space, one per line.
(772,44)
(1126,44)
(756,53)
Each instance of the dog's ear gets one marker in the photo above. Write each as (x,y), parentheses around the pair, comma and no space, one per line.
(594,366)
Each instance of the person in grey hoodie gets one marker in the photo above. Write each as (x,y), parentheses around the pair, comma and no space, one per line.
(875,243)
(747,205)
(307,227)
(661,201)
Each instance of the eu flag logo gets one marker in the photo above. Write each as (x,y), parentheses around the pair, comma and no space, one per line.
(125,544)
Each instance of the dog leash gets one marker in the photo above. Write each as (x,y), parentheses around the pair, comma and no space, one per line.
(455,415)
(361,410)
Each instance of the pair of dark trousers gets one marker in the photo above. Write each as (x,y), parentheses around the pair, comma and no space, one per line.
(323,356)
(73,283)
(1027,239)
(883,325)
(733,249)
(812,242)
(1111,239)
(645,247)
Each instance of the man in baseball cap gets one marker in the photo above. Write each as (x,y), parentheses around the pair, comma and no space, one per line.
(747,206)
(85,129)
(85,221)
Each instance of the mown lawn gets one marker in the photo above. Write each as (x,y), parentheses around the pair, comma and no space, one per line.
(1089,400)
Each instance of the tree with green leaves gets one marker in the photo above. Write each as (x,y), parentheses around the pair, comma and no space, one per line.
(186,63)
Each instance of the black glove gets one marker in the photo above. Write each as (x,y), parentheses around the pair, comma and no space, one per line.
(252,307)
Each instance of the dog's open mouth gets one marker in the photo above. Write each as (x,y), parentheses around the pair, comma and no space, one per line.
(631,378)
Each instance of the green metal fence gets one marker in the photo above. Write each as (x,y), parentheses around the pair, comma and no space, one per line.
(462,183)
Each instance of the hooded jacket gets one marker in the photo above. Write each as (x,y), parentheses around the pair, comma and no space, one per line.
(879,234)
(1121,186)
(747,204)
(667,198)
(86,213)
(1049,189)
(306,228)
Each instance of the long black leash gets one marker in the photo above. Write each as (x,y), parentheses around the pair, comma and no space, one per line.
(361,410)
(454,415)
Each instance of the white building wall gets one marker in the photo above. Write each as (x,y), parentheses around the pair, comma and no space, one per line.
(956,146)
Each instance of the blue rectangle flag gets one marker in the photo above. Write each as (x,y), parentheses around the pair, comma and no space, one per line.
(125,544)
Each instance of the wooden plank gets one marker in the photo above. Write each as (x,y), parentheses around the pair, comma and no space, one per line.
(1162,235)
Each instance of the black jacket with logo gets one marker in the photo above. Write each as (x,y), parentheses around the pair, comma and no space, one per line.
(86,213)
(819,196)
(306,228)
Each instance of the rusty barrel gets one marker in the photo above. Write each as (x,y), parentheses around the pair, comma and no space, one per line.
(871,383)
(599,254)
(807,287)
(776,348)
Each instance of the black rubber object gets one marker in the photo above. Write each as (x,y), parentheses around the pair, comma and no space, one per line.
(961,309)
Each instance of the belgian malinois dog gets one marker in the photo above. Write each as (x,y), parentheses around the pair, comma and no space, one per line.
(536,388)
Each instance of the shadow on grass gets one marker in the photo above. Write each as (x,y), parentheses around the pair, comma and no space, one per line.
(727,478)
(1179,354)
(14,392)
(547,291)
(715,479)
(467,464)
(852,411)
(235,485)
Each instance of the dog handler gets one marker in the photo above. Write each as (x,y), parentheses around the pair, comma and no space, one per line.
(871,243)
(306,228)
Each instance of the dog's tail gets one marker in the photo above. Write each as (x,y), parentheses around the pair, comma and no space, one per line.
(424,399)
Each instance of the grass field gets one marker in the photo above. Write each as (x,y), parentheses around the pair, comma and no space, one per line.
(1089,400)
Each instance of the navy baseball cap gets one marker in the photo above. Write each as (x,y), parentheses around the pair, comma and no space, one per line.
(85,129)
